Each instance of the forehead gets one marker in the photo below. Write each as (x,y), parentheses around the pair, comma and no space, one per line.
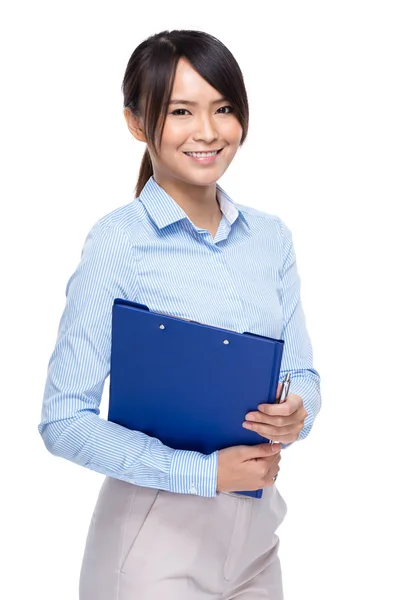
(188,84)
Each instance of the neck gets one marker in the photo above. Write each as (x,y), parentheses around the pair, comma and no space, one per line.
(198,202)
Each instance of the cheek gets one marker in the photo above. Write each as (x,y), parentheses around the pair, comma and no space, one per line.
(172,136)
(233,131)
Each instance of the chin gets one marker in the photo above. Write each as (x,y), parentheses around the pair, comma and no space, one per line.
(205,178)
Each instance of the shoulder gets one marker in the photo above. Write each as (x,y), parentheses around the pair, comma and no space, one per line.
(118,224)
(123,218)
(266,220)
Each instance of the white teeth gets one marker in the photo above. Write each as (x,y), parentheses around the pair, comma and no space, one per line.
(201,154)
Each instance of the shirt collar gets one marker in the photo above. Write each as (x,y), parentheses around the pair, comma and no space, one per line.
(164,211)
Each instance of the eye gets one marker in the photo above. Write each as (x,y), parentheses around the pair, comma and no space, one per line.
(176,111)
(231,108)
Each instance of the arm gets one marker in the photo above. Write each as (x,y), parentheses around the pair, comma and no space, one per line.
(298,354)
(80,363)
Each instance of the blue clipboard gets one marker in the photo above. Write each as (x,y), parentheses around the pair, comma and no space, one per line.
(186,383)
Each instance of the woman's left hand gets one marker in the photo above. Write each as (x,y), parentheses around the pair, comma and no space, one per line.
(278,422)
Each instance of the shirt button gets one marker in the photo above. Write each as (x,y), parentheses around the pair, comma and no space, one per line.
(193,490)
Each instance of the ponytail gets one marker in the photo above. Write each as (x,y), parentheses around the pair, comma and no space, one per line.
(145,171)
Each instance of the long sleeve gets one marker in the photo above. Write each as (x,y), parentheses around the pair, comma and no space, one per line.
(71,426)
(298,354)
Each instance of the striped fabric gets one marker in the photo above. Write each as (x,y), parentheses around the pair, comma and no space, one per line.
(148,251)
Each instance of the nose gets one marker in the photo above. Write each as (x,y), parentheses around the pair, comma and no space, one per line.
(205,129)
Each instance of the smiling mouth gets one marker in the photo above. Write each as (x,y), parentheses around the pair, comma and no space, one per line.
(205,152)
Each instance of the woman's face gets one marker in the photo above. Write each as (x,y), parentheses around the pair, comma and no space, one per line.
(207,123)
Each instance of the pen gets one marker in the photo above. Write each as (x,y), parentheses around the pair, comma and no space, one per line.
(284,392)
(285,388)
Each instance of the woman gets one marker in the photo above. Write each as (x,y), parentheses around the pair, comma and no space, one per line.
(167,524)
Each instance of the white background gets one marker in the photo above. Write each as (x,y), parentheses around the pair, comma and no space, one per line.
(332,151)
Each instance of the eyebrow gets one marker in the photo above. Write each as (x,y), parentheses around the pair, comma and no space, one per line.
(194,103)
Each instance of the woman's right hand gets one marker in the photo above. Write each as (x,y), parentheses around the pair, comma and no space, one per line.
(248,468)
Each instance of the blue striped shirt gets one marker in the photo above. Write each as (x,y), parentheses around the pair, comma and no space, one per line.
(149,251)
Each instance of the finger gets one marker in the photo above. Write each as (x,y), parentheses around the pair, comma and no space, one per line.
(271,472)
(277,421)
(275,462)
(269,430)
(277,433)
(274,468)
(261,451)
(292,403)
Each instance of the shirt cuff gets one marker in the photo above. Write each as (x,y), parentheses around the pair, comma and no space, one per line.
(194,473)
(309,390)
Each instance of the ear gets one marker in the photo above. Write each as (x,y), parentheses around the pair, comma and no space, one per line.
(134,125)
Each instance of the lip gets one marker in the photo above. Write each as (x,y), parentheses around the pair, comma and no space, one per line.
(206,160)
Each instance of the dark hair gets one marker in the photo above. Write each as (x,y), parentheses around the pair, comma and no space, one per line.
(149,79)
